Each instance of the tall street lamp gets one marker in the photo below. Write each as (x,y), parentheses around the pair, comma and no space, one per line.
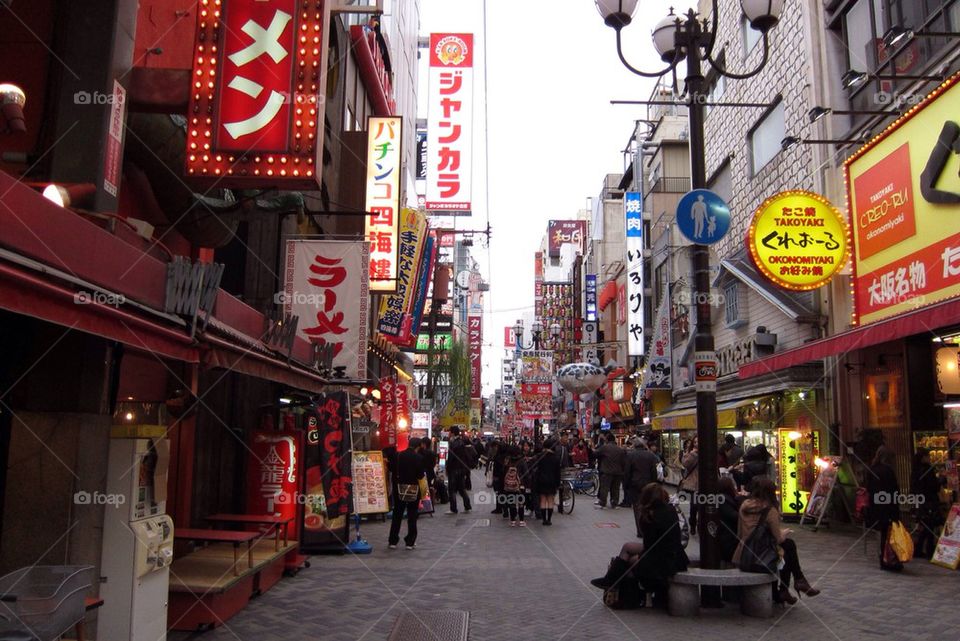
(678,38)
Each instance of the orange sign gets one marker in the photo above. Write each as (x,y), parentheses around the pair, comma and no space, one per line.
(904,191)
(798,240)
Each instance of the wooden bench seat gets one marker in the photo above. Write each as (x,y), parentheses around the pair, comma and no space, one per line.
(756,599)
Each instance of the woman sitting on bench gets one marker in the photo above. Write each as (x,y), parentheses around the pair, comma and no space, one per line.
(659,557)
(762,502)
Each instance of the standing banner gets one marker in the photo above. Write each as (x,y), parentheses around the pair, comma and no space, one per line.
(369,483)
(396,320)
(388,411)
(947,552)
(822,488)
(450,124)
(326,521)
(326,286)
(475,337)
(382,227)
(273,481)
(657,372)
(633,221)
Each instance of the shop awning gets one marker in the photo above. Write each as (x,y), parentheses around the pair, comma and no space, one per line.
(607,295)
(686,418)
(254,361)
(921,321)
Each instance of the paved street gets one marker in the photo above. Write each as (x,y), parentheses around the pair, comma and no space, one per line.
(533,583)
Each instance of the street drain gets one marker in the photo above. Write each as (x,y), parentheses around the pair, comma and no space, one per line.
(436,625)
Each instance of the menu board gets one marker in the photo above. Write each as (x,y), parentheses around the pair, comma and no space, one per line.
(947,553)
(823,487)
(369,483)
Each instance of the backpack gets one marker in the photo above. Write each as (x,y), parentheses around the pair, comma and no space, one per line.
(511,480)
(761,553)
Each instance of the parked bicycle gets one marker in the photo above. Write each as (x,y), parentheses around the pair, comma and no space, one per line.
(584,480)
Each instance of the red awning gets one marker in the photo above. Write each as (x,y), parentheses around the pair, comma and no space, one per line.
(607,295)
(30,295)
(253,362)
(920,321)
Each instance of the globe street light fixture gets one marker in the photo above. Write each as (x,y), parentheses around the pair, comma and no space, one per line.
(690,38)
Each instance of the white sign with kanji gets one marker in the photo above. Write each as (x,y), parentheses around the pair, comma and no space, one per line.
(383,201)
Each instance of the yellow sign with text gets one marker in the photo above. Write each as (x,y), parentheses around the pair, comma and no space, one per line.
(903,190)
(798,240)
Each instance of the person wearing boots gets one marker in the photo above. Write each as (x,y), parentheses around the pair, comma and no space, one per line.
(661,553)
(548,481)
(762,502)
(882,490)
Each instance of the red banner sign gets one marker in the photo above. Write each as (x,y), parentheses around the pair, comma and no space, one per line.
(509,338)
(388,411)
(535,401)
(273,465)
(475,329)
(254,117)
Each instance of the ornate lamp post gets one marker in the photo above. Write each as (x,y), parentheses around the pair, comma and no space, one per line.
(537,331)
(678,38)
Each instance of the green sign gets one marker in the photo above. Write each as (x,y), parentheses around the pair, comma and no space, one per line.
(441,342)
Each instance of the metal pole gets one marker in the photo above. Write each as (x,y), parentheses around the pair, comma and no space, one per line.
(703,341)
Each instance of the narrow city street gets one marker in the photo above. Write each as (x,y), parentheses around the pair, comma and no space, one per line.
(533,583)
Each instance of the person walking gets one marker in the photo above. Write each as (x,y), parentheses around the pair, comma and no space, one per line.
(660,556)
(429,466)
(407,500)
(882,492)
(611,458)
(761,505)
(690,483)
(547,480)
(458,469)
(639,471)
(513,485)
(925,488)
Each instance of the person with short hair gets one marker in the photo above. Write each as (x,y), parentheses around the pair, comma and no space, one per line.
(409,472)
(458,471)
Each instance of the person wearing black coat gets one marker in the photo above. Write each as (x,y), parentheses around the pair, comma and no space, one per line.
(883,492)
(458,471)
(925,488)
(547,481)
(659,557)
(729,508)
(409,472)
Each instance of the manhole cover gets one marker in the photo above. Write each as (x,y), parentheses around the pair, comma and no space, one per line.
(482,522)
(438,625)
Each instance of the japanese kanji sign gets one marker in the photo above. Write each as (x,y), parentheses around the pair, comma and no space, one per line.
(272,484)
(396,310)
(328,471)
(633,305)
(388,411)
(798,240)
(383,201)
(475,343)
(657,372)
(903,190)
(450,124)
(255,116)
(326,286)
(566,232)
(535,401)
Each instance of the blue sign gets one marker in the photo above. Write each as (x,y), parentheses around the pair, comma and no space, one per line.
(703,217)
(633,210)
(591,298)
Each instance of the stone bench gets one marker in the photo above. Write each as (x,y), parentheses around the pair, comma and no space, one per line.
(756,599)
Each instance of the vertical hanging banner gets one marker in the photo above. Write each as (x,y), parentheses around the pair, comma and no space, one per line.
(402,410)
(383,201)
(326,286)
(657,372)
(538,284)
(388,411)
(326,521)
(450,124)
(427,266)
(254,117)
(475,337)
(396,310)
(633,219)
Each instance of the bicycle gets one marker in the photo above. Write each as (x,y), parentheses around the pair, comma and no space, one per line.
(587,481)
(567,496)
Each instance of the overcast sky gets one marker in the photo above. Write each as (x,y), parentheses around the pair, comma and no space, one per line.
(552,70)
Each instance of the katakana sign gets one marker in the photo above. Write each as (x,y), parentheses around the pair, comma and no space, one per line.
(383,201)
(255,116)
(475,341)
(450,124)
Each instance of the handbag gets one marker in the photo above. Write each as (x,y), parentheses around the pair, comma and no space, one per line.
(408,492)
(900,541)
(761,552)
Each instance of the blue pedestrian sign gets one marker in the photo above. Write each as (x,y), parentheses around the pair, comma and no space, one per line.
(703,217)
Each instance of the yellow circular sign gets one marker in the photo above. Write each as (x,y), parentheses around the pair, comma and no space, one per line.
(798,240)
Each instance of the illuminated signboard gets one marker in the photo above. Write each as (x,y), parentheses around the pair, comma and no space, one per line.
(383,201)
(450,124)
(441,342)
(475,338)
(254,116)
(798,240)
(630,305)
(590,295)
(566,232)
(903,189)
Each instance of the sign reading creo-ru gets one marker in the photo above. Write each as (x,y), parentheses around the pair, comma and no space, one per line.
(798,240)
(904,194)
(255,114)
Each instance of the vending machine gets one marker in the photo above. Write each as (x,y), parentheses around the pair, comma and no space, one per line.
(137,542)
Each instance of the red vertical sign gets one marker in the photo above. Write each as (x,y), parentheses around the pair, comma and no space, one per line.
(273,465)
(509,338)
(475,336)
(402,410)
(388,411)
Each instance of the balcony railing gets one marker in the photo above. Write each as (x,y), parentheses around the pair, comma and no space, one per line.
(669,185)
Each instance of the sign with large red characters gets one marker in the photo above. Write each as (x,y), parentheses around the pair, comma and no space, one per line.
(255,116)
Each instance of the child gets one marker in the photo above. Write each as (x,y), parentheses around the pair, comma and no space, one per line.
(513,488)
